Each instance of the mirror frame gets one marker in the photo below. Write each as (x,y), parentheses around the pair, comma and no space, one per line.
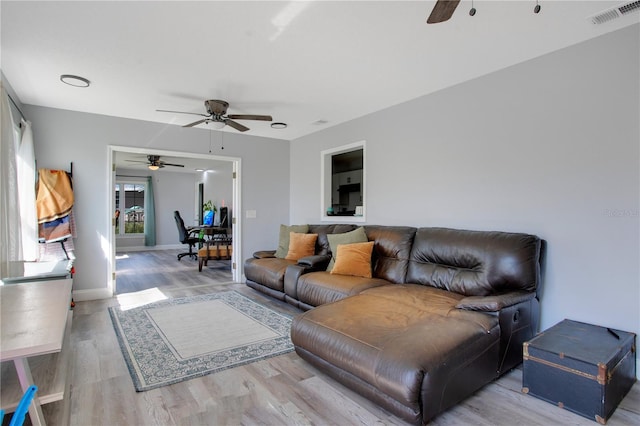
(326,186)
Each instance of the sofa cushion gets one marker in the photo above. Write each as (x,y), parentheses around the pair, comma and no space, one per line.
(406,341)
(356,236)
(268,272)
(318,288)
(391,251)
(283,239)
(354,259)
(301,245)
(475,263)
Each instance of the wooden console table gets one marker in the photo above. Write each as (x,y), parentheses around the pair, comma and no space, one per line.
(34,337)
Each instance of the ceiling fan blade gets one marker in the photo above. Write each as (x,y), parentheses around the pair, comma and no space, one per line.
(442,11)
(250,117)
(174,165)
(195,123)
(236,126)
(182,112)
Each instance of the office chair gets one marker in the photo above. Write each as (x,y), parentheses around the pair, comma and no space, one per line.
(185,237)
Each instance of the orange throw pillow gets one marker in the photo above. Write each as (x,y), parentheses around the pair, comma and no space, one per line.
(301,245)
(354,259)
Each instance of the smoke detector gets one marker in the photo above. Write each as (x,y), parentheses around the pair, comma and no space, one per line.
(615,13)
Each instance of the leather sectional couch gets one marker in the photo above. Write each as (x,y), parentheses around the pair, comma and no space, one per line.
(445,312)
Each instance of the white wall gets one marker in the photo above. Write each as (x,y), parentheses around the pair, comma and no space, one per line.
(548,147)
(62,137)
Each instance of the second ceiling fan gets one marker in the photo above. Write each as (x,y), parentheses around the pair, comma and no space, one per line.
(217,113)
(154,162)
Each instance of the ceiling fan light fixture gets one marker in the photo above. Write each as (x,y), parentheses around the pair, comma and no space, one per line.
(74,80)
(278,125)
(217,124)
(153,167)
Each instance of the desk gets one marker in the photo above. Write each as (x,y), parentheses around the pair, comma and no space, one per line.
(35,317)
(211,231)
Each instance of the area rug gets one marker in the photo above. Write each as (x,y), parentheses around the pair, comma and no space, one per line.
(178,339)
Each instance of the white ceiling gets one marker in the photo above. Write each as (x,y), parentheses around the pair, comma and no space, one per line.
(301,62)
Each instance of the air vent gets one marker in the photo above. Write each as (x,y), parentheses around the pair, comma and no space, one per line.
(615,13)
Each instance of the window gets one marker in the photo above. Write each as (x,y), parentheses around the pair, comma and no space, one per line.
(343,183)
(129,203)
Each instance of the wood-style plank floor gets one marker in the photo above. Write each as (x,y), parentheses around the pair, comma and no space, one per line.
(279,391)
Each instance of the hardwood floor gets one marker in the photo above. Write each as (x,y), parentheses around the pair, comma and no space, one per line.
(138,271)
(278,391)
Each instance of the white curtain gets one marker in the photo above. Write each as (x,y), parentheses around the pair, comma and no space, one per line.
(10,230)
(26,163)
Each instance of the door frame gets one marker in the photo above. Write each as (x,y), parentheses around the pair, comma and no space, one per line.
(236,228)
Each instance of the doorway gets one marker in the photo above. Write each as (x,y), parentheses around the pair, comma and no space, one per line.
(179,161)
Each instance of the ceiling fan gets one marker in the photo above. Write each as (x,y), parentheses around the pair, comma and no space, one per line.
(154,162)
(216,113)
(442,11)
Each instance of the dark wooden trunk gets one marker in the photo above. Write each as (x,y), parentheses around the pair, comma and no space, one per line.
(581,367)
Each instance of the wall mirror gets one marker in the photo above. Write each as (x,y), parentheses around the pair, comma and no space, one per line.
(343,183)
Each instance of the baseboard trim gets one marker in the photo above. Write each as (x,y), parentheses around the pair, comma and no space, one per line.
(93,294)
(151,248)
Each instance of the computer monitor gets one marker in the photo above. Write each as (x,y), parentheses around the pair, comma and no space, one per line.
(224,217)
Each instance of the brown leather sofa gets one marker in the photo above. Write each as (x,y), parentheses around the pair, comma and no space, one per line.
(266,273)
(445,313)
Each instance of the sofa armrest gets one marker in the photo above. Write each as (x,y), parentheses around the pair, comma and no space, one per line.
(494,303)
(316,262)
(263,254)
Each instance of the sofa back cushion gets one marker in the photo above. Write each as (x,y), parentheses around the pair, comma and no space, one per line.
(475,263)
(391,251)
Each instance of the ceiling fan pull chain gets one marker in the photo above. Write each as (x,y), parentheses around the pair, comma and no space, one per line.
(537,8)
(472,11)
(210,131)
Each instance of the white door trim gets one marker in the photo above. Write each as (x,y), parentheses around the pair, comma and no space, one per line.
(109,247)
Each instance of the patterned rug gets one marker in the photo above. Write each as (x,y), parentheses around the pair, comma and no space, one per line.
(178,339)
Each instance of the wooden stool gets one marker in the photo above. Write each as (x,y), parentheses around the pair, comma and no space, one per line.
(221,249)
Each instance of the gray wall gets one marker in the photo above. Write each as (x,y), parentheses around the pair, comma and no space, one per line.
(61,137)
(218,187)
(548,147)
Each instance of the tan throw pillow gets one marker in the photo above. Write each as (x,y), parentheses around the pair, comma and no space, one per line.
(301,245)
(354,259)
(283,240)
(356,236)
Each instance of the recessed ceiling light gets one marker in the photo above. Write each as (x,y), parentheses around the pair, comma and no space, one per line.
(74,80)
(278,125)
